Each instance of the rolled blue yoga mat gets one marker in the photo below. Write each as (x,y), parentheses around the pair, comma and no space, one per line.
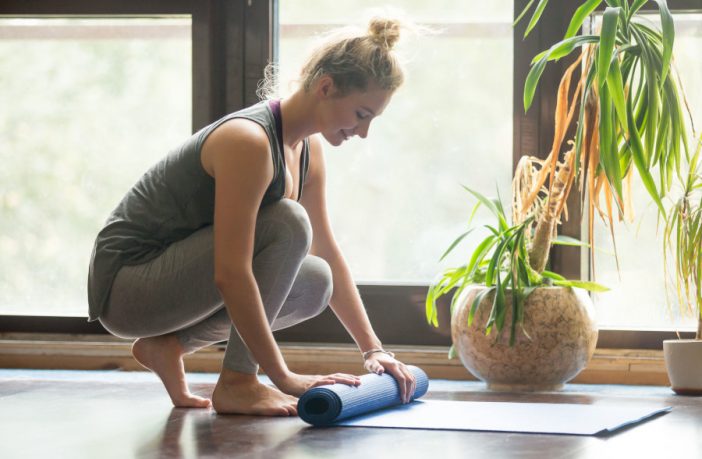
(325,405)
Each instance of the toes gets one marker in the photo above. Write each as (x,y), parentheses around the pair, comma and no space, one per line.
(276,411)
(193,401)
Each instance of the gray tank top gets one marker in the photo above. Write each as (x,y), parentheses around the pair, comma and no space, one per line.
(172,200)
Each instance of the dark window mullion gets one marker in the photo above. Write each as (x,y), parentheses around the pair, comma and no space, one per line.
(258,44)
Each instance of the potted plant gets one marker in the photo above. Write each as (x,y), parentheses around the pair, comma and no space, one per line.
(682,237)
(629,113)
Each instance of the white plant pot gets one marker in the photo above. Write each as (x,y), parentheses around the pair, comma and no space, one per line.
(683,360)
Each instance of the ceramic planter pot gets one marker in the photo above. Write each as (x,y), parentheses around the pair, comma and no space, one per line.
(683,360)
(562,335)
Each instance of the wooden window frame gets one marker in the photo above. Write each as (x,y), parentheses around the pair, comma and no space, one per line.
(232,43)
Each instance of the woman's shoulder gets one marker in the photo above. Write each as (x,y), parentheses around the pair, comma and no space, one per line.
(249,124)
(237,140)
(241,130)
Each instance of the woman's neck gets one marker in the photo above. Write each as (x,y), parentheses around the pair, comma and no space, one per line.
(299,120)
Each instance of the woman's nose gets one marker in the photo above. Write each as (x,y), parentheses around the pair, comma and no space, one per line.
(362,130)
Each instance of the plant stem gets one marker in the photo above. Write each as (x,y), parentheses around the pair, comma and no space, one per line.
(545,228)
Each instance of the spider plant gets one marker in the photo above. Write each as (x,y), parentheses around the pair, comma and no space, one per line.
(629,112)
(682,237)
(502,263)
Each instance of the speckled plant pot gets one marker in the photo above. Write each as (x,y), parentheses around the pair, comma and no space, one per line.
(562,335)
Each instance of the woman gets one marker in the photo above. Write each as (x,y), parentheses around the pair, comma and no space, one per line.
(218,241)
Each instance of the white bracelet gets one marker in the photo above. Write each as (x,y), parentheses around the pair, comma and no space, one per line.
(375,351)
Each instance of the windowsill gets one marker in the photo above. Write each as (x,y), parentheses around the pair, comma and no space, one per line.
(100,352)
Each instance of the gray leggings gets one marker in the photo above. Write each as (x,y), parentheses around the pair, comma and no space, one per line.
(175,292)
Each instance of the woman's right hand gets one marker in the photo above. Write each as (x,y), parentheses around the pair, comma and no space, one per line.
(295,384)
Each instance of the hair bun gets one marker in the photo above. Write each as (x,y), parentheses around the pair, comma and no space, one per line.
(384,32)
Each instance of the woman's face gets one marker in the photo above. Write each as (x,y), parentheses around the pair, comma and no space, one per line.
(343,117)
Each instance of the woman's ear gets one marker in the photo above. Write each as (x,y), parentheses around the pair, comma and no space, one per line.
(325,86)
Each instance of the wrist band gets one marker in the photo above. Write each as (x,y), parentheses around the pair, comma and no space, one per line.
(375,351)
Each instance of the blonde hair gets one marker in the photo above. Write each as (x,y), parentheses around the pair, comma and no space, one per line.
(352,59)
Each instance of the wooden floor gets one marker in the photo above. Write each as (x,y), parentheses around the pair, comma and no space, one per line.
(112,414)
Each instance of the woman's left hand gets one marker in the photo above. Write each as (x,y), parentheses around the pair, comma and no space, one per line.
(379,363)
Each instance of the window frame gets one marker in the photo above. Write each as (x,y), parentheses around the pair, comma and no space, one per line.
(232,43)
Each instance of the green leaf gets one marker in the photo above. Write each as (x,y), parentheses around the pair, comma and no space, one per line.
(579,16)
(640,163)
(493,269)
(473,212)
(499,307)
(565,47)
(615,85)
(430,306)
(490,205)
(608,151)
(532,80)
(455,243)
(452,352)
(664,133)
(523,13)
(608,35)
(636,6)
(668,27)
(539,56)
(591,286)
(534,277)
(651,105)
(537,15)
(552,275)
(476,303)
(555,52)
(479,253)
(562,239)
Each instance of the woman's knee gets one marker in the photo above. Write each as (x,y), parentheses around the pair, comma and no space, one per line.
(318,277)
(118,327)
(290,216)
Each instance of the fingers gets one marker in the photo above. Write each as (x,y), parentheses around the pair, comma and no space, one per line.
(405,381)
(337,378)
(342,378)
(373,366)
(411,383)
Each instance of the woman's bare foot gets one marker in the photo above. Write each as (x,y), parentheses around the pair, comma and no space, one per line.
(240,393)
(164,356)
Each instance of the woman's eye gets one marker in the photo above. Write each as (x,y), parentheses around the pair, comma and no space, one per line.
(361,115)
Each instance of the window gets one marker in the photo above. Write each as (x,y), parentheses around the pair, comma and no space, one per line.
(89,105)
(395,198)
(640,284)
(454,122)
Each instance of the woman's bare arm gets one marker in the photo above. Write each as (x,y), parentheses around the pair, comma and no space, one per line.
(345,301)
(238,155)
